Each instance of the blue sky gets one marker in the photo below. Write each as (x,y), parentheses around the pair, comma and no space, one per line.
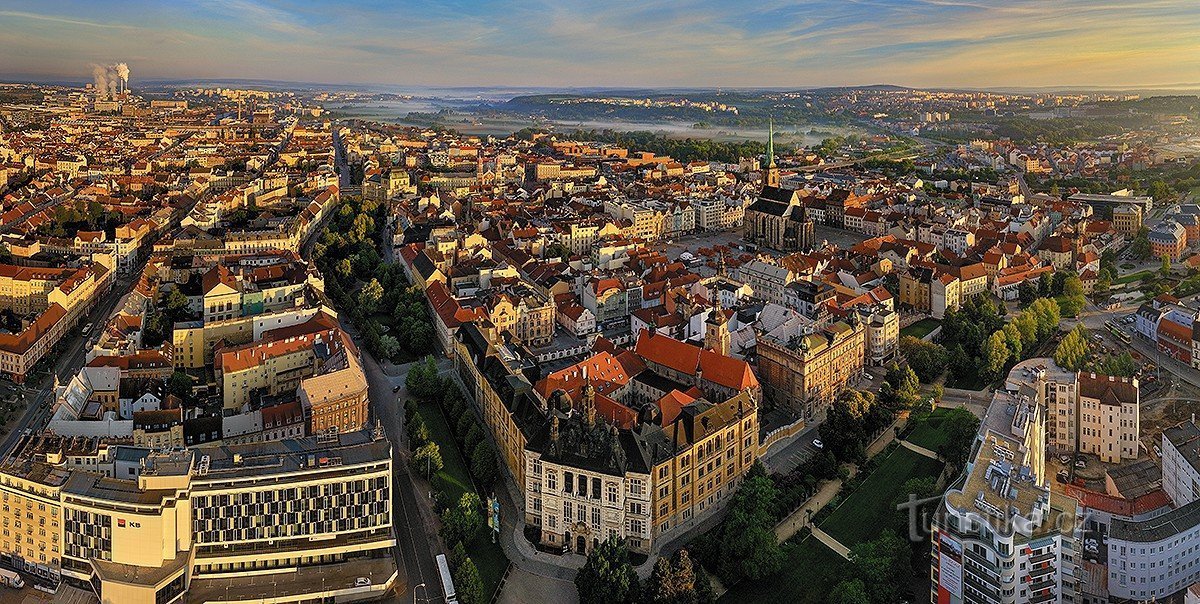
(969,43)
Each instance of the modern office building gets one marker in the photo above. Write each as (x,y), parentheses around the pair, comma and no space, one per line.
(309,519)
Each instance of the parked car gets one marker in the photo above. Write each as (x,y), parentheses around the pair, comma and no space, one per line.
(395,389)
(1064,459)
(1079,463)
(818,444)
(362,582)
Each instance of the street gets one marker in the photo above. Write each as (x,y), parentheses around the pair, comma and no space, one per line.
(37,411)
(413,534)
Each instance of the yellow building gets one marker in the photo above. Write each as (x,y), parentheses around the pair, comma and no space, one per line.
(1127,218)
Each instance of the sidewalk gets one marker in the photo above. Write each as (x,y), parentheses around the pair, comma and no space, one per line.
(920,450)
(833,544)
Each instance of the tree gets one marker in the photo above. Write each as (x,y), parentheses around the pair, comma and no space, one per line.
(1072,287)
(389,347)
(1012,339)
(483,465)
(1140,248)
(1046,285)
(1072,351)
(995,354)
(369,297)
(960,427)
(844,430)
(461,522)
(180,384)
(883,565)
(1166,265)
(176,303)
(1121,365)
(418,432)
(467,584)
(748,546)
(850,591)
(427,461)
(913,490)
(608,576)
(1027,292)
(422,380)
(703,586)
(927,360)
(1160,190)
(673,580)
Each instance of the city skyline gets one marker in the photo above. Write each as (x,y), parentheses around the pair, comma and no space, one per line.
(933,43)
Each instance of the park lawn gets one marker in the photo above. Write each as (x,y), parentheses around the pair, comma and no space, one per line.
(921,328)
(861,516)
(810,571)
(454,479)
(927,430)
(1138,276)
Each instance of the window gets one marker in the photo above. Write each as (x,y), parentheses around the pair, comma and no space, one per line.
(611,491)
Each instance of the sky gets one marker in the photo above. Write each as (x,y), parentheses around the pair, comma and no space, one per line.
(634,43)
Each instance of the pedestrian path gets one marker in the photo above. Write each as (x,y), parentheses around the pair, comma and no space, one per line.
(920,450)
(833,544)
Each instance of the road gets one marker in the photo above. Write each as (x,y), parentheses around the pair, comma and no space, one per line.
(37,412)
(412,534)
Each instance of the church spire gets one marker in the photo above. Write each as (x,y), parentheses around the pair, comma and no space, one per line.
(772,169)
(771,142)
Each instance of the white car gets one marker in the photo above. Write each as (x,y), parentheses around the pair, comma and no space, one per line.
(818,444)
(362,582)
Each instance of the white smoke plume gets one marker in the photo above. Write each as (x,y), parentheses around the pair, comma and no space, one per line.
(100,79)
(109,80)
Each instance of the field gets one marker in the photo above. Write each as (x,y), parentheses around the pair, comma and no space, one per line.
(810,571)
(861,516)
(1130,278)
(927,430)
(454,480)
(921,328)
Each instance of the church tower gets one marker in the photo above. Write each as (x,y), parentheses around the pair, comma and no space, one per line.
(716,328)
(772,169)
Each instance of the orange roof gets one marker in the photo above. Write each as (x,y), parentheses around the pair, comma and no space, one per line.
(726,371)
(21,343)
(603,370)
(671,404)
(668,352)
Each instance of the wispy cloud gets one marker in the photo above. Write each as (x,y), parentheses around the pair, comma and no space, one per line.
(626,42)
(12,14)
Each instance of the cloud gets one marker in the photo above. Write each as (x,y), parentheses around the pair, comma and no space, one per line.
(61,20)
(631,42)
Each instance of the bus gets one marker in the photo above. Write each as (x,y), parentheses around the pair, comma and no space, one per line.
(447,582)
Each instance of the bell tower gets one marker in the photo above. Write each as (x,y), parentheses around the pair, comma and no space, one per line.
(716,328)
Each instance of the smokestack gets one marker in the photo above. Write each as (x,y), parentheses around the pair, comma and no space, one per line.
(123,73)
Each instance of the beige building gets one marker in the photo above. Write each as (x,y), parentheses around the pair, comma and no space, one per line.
(642,483)
(1087,413)
(196,525)
(807,371)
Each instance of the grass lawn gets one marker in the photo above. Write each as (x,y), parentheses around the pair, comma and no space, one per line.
(454,480)
(927,430)
(1138,276)
(921,328)
(810,571)
(860,517)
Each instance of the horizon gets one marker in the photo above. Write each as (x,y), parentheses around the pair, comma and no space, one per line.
(930,44)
